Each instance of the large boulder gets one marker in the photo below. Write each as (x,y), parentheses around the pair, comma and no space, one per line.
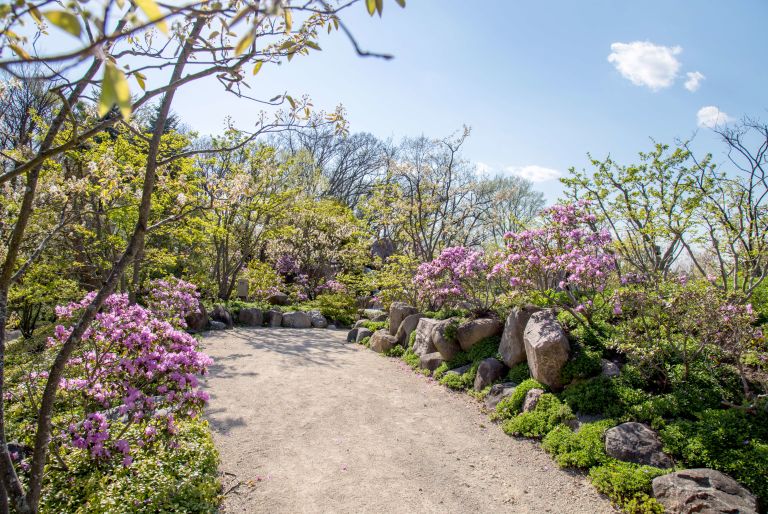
(448,347)
(251,317)
(546,348)
(278,299)
(635,442)
(702,490)
(222,315)
(197,321)
(471,332)
(512,347)
(382,341)
(398,311)
(532,399)
(498,392)
(431,361)
(362,333)
(407,326)
(423,344)
(488,372)
(296,319)
(273,318)
(317,319)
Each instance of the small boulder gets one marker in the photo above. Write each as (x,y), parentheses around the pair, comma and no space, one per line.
(471,332)
(498,392)
(352,335)
(362,333)
(431,361)
(197,321)
(317,319)
(273,318)
(702,490)
(251,317)
(460,370)
(609,368)
(219,313)
(446,346)
(296,319)
(217,325)
(546,348)
(398,311)
(278,299)
(359,323)
(407,326)
(512,347)
(489,371)
(423,344)
(635,442)
(532,399)
(381,341)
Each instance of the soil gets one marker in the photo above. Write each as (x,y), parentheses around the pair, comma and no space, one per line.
(305,423)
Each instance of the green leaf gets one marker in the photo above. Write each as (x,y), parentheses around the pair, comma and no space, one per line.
(35,13)
(380,6)
(401,3)
(152,12)
(371,6)
(257,67)
(19,51)
(140,79)
(114,90)
(244,43)
(288,20)
(312,45)
(213,34)
(65,21)
(291,101)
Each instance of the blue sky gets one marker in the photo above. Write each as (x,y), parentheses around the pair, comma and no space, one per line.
(532,79)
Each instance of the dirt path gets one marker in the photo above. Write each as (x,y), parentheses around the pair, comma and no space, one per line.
(305,423)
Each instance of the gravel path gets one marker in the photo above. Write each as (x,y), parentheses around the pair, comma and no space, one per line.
(306,423)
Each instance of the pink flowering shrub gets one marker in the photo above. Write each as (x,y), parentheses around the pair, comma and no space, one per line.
(458,274)
(565,259)
(135,369)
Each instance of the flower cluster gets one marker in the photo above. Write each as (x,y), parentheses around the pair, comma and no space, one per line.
(457,274)
(333,286)
(286,265)
(172,299)
(135,367)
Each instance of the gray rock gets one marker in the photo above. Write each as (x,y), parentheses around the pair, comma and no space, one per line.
(219,313)
(398,311)
(352,335)
(273,318)
(609,368)
(359,323)
(546,348)
(447,347)
(423,344)
(217,325)
(12,335)
(431,361)
(512,347)
(460,370)
(296,319)
(362,333)
(471,332)
(196,321)
(407,326)
(317,319)
(382,341)
(278,299)
(251,317)
(702,490)
(331,327)
(635,442)
(374,313)
(498,392)
(489,371)
(532,399)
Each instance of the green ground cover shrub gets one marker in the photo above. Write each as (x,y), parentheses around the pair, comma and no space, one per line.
(549,413)
(582,449)
(411,359)
(395,351)
(488,347)
(519,373)
(341,308)
(374,325)
(446,313)
(585,364)
(627,485)
(510,406)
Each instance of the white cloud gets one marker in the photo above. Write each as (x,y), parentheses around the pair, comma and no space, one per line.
(694,79)
(646,64)
(534,173)
(710,117)
(482,168)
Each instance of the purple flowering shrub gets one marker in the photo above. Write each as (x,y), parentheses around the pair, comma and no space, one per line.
(133,374)
(565,259)
(458,274)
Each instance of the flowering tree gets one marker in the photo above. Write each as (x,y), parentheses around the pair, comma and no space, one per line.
(133,373)
(565,259)
(457,274)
